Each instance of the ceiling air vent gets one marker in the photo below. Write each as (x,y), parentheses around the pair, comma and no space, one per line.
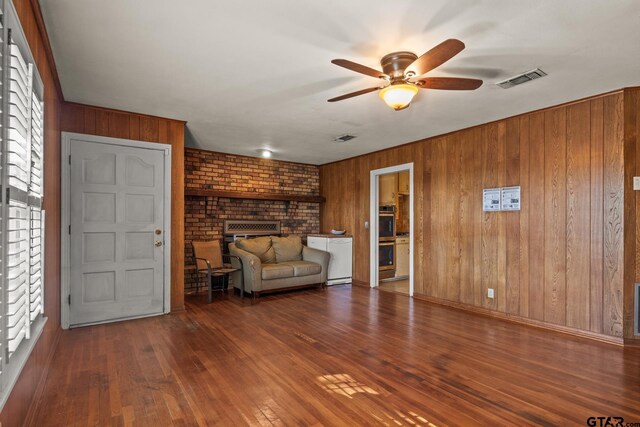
(344,138)
(521,78)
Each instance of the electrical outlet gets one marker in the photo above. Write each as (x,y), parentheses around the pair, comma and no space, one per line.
(490,293)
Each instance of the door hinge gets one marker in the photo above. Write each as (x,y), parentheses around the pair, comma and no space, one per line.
(69,158)
(69,299)
(69,229)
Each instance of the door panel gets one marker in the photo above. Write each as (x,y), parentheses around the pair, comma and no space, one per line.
(116,257)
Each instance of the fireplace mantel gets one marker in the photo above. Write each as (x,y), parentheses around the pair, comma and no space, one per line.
(254,195)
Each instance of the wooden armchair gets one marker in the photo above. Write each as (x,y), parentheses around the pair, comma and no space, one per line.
(211,261)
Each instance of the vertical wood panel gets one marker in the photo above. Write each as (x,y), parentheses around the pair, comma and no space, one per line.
(536,218)
(489,266)
(501,274)
(73,119)
(613,214)
(466,213)
(439,221)
(416,153)
(525,212)
(134,127)
(597,221)
(631,100)
(427,261)
(578,214)
(453,159)
(175,137)
(512,219)
(361,238)
(163,132)
(478,216)
(149,129)
(555,274)
(119,125)
(89,121)
(629,290)
(102,122)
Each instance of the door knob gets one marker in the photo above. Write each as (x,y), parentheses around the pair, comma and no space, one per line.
(158,242)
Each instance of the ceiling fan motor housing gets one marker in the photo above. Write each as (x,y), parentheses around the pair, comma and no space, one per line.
(395,63)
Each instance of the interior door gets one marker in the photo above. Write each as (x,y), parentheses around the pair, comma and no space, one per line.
(117,232)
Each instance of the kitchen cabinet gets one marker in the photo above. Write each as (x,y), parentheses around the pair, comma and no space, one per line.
(402,256)
(403,182)
(388,189)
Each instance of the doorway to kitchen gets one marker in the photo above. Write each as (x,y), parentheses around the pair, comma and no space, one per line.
(391,254)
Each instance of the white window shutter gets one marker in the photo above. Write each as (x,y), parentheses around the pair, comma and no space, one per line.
(2,219)
(36,300)
(18,162)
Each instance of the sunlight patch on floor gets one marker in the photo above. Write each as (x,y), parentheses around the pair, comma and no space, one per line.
(343,384)
(402,419)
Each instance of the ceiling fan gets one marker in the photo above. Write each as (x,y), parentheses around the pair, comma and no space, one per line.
(404,73)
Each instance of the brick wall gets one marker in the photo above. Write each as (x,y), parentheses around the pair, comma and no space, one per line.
(204,216)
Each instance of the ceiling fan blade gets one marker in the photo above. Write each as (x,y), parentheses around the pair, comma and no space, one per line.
(435,57)
(352,94)
(358,68)
(450,83)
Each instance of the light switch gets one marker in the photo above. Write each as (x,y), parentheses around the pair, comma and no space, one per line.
(636,183)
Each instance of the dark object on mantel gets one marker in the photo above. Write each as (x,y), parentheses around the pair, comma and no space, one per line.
(255,196)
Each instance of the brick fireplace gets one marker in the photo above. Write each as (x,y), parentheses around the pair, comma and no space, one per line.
(212,171)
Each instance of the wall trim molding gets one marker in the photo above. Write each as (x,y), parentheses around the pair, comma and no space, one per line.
(519,319)
(360,284)
(524,321)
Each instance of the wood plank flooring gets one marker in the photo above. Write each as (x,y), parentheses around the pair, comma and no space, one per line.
(340,356)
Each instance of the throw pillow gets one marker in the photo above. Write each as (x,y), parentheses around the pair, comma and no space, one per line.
(260,247)
(287,248)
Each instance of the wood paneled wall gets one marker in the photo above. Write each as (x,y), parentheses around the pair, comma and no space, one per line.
(17,406)
(119,124)
(631,210)
(558,261)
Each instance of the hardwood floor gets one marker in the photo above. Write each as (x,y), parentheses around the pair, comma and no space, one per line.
(398,286)
(340,356)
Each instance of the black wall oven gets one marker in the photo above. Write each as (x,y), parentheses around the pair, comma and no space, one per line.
(387,223)
(387,256)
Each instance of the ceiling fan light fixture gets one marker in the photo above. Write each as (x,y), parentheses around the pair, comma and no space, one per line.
(398,96)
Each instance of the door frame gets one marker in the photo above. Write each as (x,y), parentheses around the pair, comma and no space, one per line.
(373,221)
(65,215)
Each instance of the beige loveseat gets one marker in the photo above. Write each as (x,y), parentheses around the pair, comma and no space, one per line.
(273,263)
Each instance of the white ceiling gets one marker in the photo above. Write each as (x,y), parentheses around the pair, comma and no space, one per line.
(255,73)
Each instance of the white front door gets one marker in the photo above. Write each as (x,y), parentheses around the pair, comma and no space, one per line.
(117,232)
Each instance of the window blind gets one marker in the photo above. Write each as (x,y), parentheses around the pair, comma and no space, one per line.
(24,226)
(2,219)
(36,299)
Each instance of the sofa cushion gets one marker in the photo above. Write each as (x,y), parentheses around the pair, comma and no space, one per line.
(260,247)
(287,248)
(276,271)
(303,268)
